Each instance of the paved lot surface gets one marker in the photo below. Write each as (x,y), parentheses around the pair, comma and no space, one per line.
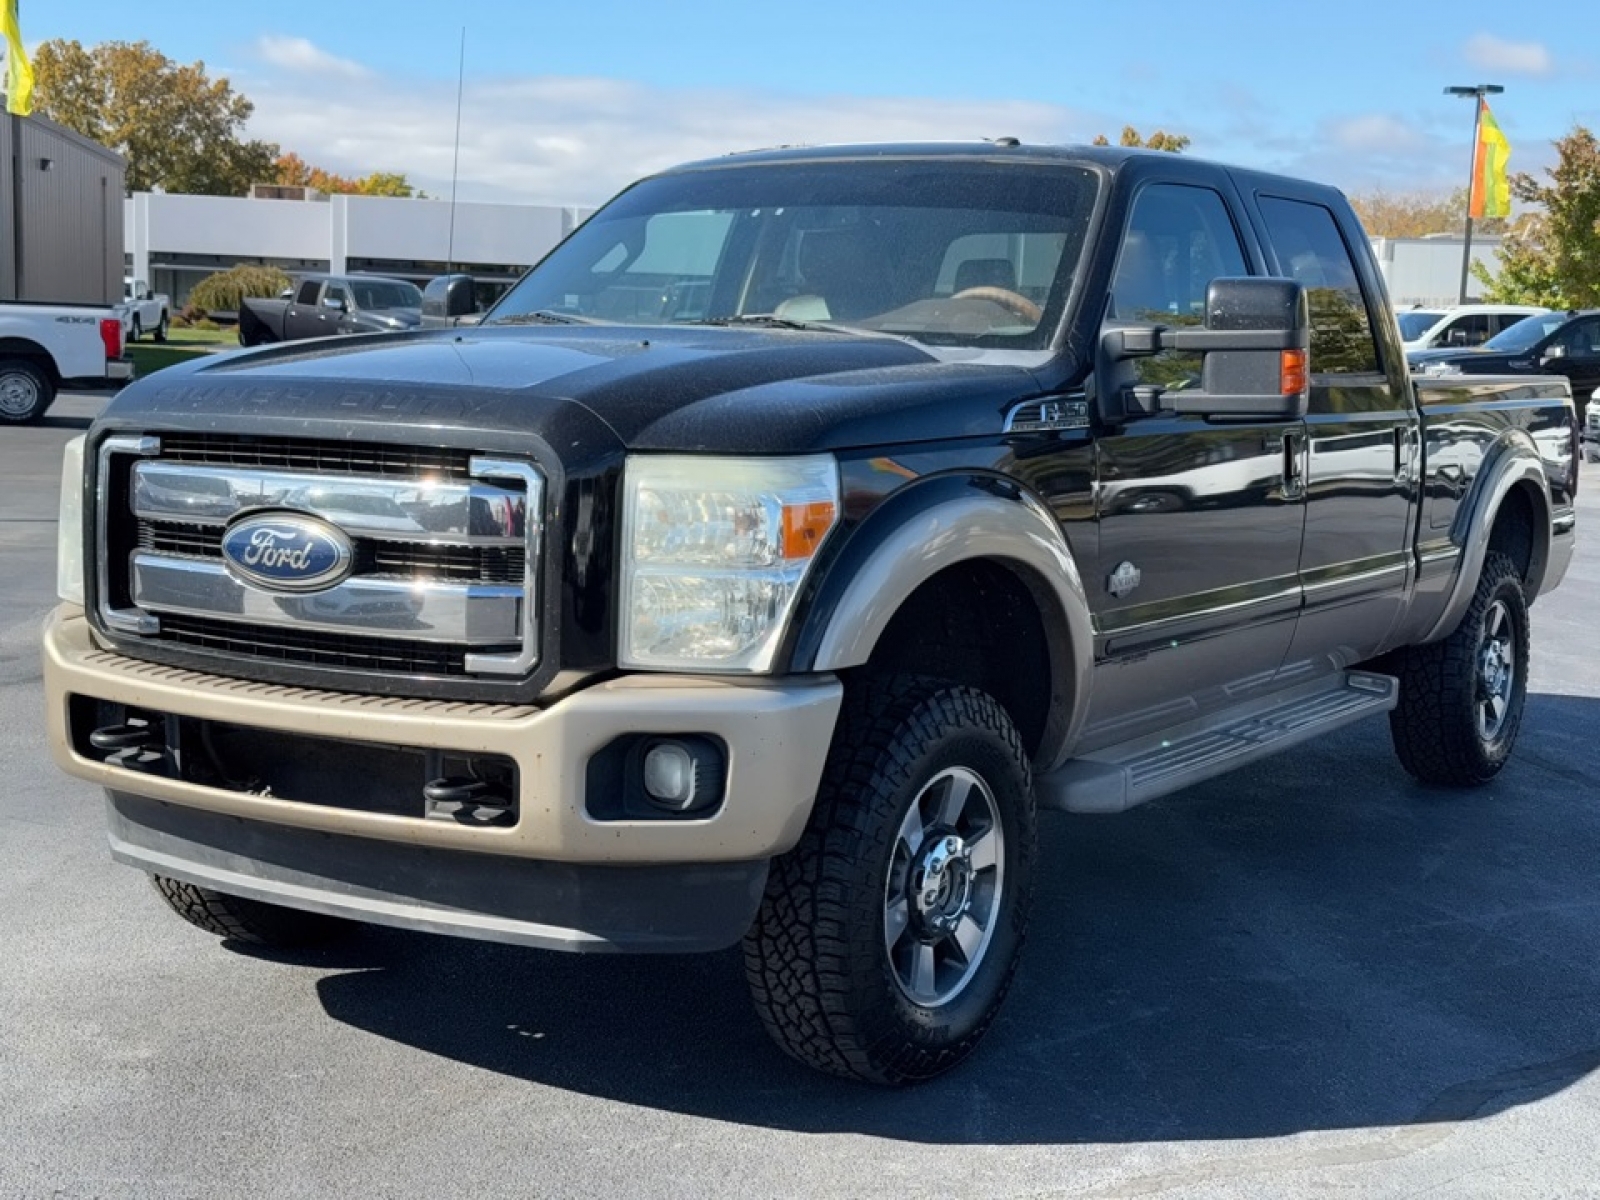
(1311,978)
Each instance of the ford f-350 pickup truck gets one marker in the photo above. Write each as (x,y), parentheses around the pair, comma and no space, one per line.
(775,550)
(44,346)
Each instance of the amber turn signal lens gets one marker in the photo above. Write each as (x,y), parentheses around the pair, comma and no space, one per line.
(804,526)
(1292,372)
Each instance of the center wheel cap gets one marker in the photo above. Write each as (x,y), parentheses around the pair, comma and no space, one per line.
(942,883)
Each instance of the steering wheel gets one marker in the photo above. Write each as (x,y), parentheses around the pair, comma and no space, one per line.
(1014,303)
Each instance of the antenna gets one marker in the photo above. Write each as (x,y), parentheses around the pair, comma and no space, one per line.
(455,161)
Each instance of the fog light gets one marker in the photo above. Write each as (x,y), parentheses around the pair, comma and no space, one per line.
(682,775)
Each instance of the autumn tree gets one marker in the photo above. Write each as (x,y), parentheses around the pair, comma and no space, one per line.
(1551,255)
(1177,143)
(179,129)
(1418,214)
(293,170)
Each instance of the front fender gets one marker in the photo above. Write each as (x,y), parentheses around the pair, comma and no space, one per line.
(932,525)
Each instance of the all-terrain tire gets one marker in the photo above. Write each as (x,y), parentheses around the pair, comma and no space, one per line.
(251,921)
(25,391)
(1461,699)
(919,774)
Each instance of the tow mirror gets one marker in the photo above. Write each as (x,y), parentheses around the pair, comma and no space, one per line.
(447,299)
(1255,357)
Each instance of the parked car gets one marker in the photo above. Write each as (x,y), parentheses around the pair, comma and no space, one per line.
(923,488)
(1550,343)
(143,310)
(1459,327)
(326,305)
(44,346)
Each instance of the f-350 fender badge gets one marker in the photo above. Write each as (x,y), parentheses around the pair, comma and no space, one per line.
(1123,580)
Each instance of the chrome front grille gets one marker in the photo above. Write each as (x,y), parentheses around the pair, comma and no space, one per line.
(443,572)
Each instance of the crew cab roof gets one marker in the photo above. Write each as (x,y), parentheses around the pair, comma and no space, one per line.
(1110,160)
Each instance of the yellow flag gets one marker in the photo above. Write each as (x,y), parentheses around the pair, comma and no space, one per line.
(1491,190)
(19,71)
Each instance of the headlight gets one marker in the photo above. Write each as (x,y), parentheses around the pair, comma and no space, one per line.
(1441,368)
(714,551)
(69,525)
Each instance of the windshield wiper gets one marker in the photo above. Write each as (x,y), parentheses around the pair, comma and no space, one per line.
(770,321)
(542,316)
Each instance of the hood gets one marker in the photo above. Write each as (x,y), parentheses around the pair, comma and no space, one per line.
(681,389)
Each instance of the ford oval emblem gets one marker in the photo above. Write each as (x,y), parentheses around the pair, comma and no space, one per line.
(287,552)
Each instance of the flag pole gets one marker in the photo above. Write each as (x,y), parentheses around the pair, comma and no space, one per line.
(1477,92)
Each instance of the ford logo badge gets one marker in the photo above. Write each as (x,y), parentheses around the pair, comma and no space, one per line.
(287,552)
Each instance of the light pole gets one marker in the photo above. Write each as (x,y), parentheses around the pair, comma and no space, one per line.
(1477,91)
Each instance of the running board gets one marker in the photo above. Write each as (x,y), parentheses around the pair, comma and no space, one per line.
(1116,778)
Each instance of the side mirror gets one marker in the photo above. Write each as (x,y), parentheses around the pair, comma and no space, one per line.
(1255,347)
(447,299)
(149,293)
(1552,352)
(1459,337)
(333,302)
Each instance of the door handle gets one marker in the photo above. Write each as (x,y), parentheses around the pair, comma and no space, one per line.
(1294,473)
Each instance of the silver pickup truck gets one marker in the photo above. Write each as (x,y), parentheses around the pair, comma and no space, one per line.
(775,551)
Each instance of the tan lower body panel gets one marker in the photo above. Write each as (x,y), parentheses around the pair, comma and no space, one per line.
(776,733)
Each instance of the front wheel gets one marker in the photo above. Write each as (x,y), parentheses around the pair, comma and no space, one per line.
(888,936)
(1461,699)
(251,921)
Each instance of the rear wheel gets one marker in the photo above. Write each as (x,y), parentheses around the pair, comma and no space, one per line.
(1461,699)
(135,328)
(889,935)
(251,921)
(161,329)
(25,391)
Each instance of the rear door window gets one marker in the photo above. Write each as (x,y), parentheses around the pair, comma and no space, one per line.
(1311,251)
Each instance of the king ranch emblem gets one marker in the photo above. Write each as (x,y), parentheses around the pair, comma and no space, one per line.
(287,552)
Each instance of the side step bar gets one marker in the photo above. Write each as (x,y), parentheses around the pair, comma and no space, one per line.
(1115,778)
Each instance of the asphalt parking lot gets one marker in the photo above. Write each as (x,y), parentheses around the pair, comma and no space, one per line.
(1312,977)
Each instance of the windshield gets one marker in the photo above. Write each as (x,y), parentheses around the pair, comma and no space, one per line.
(950,253)
(388,294)
(1526,333)
(1416,323)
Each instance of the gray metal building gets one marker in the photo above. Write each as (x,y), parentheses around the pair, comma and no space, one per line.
(60,215)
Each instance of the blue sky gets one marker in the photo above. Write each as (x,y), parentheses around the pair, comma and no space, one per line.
(564,103)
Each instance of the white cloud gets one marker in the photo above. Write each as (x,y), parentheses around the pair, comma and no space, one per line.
(1374,134)
(577,141)
(1516,58)
(303,57)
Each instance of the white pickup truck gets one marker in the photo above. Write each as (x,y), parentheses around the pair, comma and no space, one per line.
(44,346)
(143,310)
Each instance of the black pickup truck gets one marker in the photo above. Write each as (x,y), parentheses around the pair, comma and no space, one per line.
(775,551)
(326,305)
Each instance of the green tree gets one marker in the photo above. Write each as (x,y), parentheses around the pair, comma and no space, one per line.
(223,291)
(1551,256)
(178,128)
(1176,143)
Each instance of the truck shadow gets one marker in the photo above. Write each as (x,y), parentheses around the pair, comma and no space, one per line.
(1315,943)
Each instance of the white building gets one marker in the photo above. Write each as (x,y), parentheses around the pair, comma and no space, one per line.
(176,241)
(1427,271)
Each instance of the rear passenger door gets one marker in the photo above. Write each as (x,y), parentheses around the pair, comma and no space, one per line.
(1361,490)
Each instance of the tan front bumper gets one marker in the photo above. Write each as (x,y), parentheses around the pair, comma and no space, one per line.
(777,734)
